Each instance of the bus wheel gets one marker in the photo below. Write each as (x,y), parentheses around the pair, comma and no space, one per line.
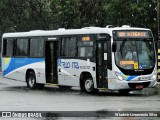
(88,85)
(124,92)
(31,80)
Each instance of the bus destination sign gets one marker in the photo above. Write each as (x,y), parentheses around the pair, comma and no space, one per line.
(133,34)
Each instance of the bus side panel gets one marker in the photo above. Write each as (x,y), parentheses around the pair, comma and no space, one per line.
(19,72)
(112,79)
(66,74)
(21,65)
(40,72)
(7,67)
(69,71)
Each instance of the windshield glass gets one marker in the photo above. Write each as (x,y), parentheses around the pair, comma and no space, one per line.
(135,54)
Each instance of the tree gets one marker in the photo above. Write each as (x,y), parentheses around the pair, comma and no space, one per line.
(25,15)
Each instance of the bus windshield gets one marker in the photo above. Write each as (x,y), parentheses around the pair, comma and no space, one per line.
(135,54)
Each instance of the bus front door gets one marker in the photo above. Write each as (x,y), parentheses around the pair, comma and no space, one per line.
(102,79)
(51,55)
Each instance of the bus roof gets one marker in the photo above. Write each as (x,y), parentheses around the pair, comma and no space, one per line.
(62,31)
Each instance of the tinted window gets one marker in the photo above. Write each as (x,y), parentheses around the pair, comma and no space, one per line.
(8,47)
(36,47)
(22,47)
(85,51)
(68,47)
(85,46)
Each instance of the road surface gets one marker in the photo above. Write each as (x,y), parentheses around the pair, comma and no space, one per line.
(15,96)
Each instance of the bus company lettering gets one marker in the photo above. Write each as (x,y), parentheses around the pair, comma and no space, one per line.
(66,64)
(74,65)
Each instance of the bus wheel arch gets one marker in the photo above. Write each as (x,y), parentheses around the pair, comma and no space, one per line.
(31,79)
(86,82)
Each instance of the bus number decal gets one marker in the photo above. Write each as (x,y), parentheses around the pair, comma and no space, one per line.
(74,65)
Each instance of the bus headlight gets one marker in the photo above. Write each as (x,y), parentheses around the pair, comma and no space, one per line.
(154,77)
(119,76)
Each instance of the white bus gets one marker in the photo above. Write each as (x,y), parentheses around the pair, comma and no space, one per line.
(92,58)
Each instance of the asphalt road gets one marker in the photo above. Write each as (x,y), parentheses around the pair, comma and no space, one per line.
(15,96)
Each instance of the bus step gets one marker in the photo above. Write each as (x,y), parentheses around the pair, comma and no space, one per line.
(102,88)
(51,84)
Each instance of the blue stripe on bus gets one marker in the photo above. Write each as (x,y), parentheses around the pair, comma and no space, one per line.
(130,78)
(127,77)
(10,64)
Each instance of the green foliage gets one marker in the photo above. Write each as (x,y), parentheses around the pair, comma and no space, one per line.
(25,15)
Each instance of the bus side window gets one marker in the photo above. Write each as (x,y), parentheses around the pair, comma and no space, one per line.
(81,51)
(69,46)
(37,47)
(8,47)
(63,47)
(85,51)
(22,47)
(4,47)
(85,47)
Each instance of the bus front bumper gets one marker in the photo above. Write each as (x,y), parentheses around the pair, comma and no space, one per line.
(135,85)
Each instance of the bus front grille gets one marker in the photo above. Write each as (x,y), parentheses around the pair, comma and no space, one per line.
(133,85)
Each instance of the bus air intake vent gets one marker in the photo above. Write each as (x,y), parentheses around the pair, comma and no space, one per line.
(133,85)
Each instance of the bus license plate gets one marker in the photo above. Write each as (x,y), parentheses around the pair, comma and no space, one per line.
(139,86)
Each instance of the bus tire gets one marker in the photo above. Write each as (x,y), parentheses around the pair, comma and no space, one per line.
(88,85)
(31,80)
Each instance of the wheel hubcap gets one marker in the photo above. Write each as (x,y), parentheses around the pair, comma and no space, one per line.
(31,81)
(88,84)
